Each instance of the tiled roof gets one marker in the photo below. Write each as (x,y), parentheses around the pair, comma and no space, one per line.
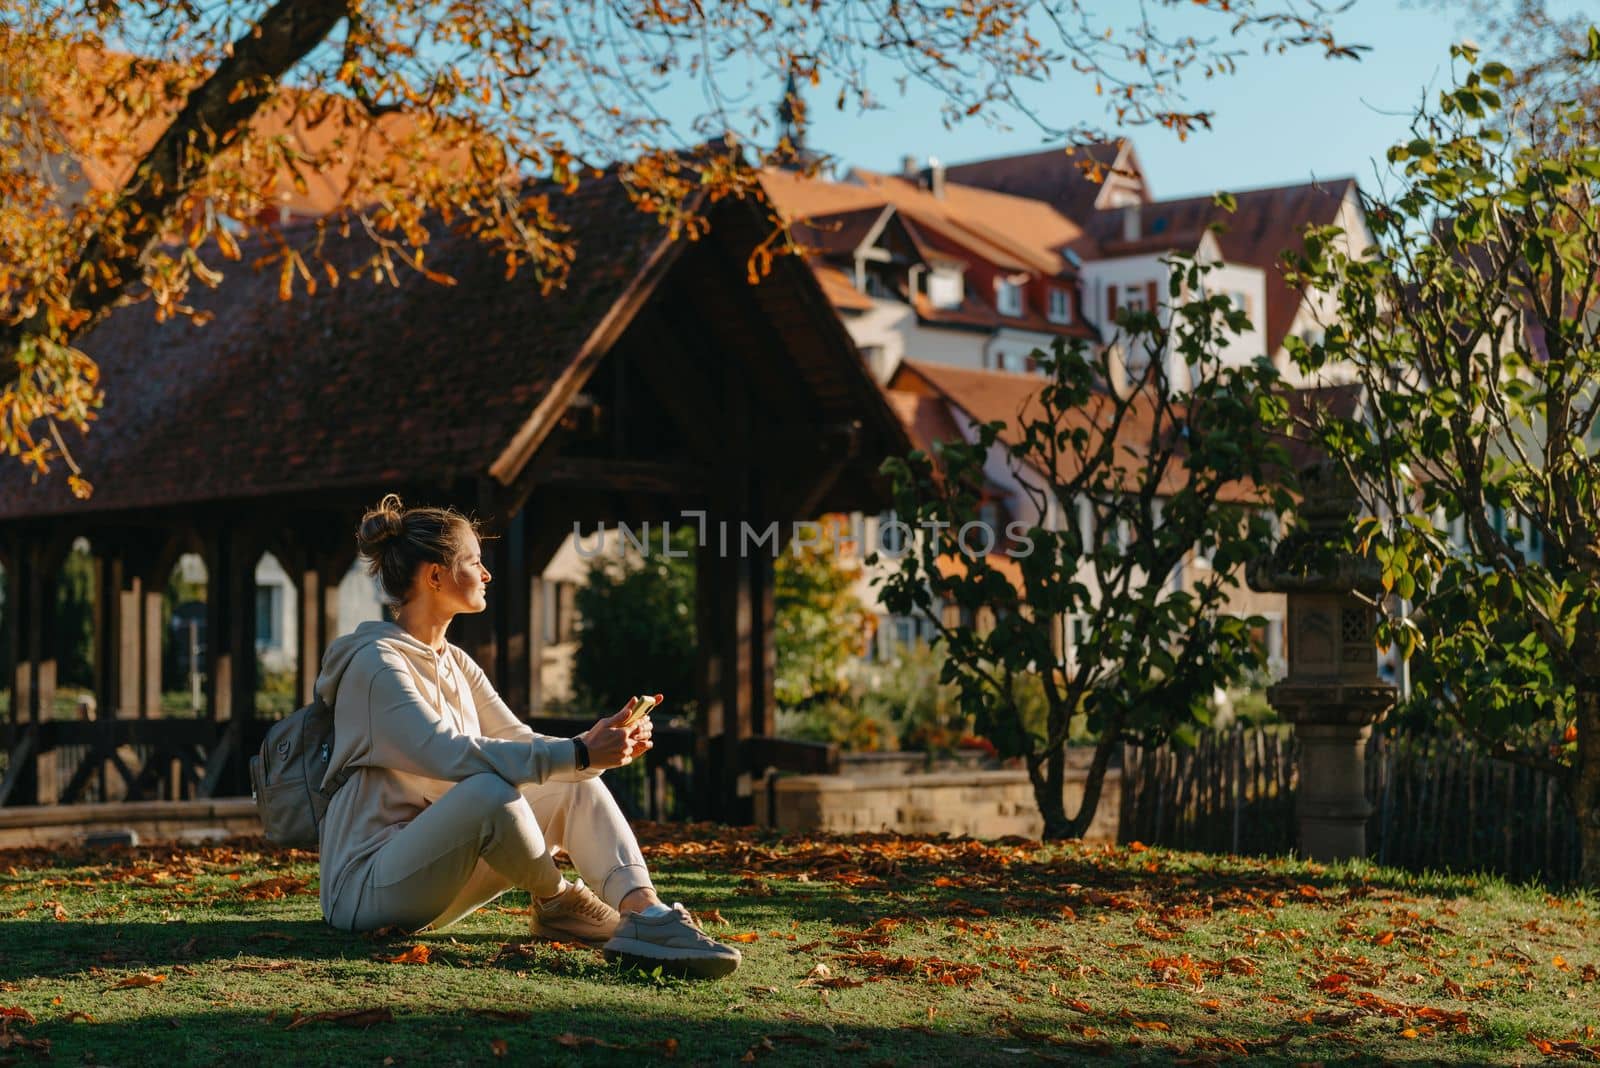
(1013,399)
(1059,177)
(962,226)
(1267,223)
(925,417)
(371,384)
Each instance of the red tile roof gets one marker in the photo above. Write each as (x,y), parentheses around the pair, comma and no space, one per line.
(1068,179)
(962,226)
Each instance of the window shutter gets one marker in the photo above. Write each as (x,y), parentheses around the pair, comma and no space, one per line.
(1150,296)
(1111,304)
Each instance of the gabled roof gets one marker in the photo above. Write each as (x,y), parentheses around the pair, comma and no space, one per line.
(371,384)
(1070,179)
(1011,232)
(1267,222)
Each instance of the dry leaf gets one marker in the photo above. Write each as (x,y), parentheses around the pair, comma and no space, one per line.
(15,1012)
(497,1046)
(138,979)
(417,954)
(710,917)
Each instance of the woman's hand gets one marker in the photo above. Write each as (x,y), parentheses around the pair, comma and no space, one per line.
(611,745)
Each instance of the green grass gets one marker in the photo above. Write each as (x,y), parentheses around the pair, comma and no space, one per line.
(934,950)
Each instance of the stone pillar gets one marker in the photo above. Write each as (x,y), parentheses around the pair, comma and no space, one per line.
(1332,693)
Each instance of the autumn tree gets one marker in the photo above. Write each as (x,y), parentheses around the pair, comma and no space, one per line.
(141,141)
(1473,325)
(1087,595)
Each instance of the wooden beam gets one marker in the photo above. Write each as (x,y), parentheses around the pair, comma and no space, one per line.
(526,441)
(684,392)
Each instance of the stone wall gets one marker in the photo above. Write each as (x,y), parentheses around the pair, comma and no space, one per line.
(983,804)
(38,825)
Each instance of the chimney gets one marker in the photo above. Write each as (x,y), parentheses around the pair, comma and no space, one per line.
(1130,222)
(936,177)
(910,168)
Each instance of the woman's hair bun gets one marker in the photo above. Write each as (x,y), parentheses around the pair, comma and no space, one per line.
(381,525)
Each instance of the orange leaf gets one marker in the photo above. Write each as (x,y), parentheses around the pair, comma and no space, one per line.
(1151,1025)
(139,979)
(1383,939)
(748,936)
(417,954)
(712,917)
(1410,1032)
(10,1012)
(1560,963)
(497,1046)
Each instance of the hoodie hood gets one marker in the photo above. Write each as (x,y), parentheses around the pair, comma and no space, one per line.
(342,652)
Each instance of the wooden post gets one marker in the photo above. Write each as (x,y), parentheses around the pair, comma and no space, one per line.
(512,612)
(310,640)
(149,654)
(219,644)
(709,692)
(536,640)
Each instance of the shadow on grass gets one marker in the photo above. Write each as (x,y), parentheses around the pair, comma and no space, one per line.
(652,1034)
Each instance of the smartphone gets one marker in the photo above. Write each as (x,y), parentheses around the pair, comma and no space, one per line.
(644,703)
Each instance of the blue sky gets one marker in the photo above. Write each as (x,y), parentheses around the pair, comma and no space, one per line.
(1280,119)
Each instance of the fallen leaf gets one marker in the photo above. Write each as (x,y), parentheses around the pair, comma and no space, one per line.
(497,1046)
(747,937)
(712,917)
(417,954)
(77,1014)
(362,1018)
(15,1012)
(573,1040)
(138,979)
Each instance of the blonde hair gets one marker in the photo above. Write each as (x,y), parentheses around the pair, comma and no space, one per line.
(396,541)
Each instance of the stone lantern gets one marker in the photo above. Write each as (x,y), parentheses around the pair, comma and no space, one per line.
(1332,693)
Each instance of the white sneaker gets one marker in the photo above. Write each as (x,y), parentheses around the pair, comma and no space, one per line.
(575,915)
(673,941)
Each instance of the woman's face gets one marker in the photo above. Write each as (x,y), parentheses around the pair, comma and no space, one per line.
(464,587)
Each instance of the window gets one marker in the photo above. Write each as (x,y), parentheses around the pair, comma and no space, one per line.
(1133,302)
(944,288)
(269,627)
(1060,306)
(1007,297)
(1012,361)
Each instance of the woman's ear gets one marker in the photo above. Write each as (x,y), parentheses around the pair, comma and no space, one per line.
(434,573)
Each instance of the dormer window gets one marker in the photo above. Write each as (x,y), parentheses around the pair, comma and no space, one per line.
(1007,297)
(1060,310)
(944,288)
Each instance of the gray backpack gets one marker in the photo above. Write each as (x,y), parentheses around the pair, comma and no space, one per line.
(285,776)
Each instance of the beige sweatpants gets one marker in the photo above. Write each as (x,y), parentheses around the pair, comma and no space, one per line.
(485,836)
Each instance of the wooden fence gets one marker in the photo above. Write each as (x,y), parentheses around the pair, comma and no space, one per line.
(1437,804)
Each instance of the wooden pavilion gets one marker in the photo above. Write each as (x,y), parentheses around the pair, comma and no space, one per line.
(658,380)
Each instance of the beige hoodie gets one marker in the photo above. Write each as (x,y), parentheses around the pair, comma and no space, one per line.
(410,723)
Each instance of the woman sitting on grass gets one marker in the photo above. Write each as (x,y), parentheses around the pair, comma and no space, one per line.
(451,799)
